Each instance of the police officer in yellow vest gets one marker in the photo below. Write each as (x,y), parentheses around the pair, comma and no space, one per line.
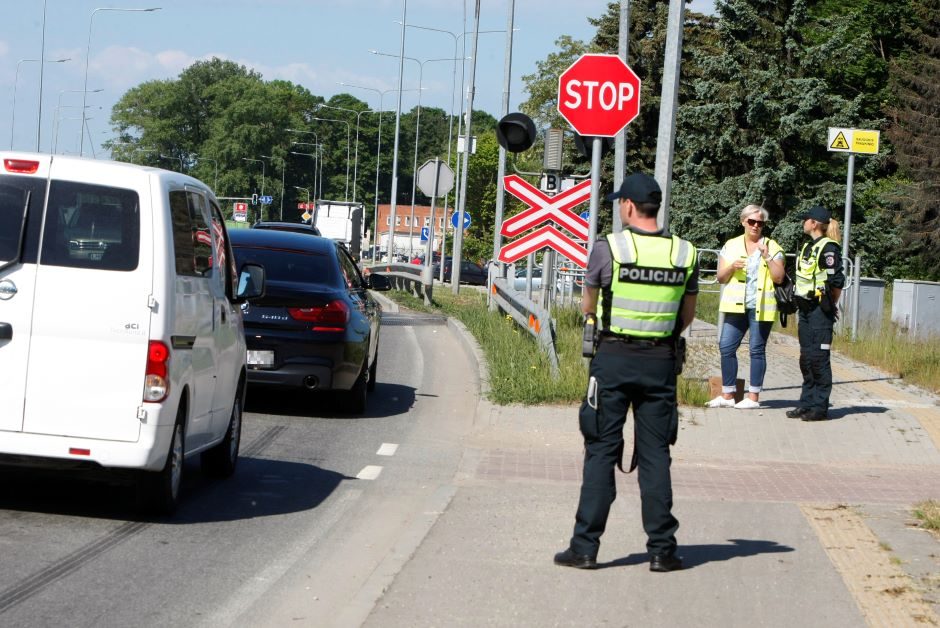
(819,282)
(748,267)
(647,281)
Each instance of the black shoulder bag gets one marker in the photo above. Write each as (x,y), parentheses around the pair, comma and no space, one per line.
(786,298)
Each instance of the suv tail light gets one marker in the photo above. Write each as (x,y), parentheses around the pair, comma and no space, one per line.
(330,317)
(156,381)
(22,166)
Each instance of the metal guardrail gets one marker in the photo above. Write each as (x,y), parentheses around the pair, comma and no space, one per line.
(527,314)
(412,278)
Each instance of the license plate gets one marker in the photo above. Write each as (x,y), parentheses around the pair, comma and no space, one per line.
(260,358)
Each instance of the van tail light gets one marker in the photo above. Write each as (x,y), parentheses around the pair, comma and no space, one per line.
(21,166)
(330,317)
(156,379)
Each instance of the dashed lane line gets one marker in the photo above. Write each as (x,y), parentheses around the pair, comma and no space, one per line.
(387,449)
(369,472)
(884,593)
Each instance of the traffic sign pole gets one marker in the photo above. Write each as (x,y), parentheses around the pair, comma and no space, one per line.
(429,250)
(595,191)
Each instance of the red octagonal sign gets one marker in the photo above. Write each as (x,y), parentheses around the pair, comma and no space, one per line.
(599,95)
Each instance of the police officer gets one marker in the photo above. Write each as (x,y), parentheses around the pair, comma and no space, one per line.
(647,281)
(819,282)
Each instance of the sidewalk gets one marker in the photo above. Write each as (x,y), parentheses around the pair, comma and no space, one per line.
(783,522)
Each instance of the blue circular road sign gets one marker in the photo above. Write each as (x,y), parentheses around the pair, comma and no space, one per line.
(466,219)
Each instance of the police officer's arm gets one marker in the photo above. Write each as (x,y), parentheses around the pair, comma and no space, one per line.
(597,274)
(589,300)
(830,258)
(688,310)
(689,299)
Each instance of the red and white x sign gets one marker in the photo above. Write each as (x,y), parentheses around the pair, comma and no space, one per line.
(546,236)
(543,208)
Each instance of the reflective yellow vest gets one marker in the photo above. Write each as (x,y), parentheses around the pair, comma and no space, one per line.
(733,292)
(809,275)
(650,273)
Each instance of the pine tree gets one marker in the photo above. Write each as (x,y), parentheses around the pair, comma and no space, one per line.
(915,133)
(755,129)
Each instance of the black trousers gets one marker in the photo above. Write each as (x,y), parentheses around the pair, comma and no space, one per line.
(648,384)
(815,332)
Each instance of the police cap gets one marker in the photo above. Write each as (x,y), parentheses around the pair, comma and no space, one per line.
(639,188)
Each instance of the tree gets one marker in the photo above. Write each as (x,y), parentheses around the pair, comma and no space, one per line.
(755,130)
(915,133)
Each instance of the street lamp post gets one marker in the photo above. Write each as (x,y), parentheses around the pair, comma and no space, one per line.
(56,124)
(215,186)
(312,156)
(283,174)
(414,169)
(58,105)
(315,157)
(450,123)
(262,172)
(348,130)
(307,190)
(88,53)
(356,158)
(378,153)
(16,78)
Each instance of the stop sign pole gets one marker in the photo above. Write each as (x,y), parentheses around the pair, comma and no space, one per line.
(598,95)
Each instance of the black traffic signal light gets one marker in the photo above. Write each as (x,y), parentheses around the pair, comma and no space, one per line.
(585,144)
(515,132)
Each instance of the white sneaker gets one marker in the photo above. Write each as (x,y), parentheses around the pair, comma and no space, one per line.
(720,402)
(747,404)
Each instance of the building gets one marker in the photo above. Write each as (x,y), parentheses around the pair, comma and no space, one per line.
(408,233)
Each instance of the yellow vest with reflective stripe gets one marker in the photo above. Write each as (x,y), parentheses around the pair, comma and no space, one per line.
(650,273)
(733,292)
(809,275)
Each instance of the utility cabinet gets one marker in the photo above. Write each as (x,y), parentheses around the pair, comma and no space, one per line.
(915,307)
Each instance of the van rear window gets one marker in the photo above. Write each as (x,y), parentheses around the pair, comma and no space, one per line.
(14,193)
(91,226)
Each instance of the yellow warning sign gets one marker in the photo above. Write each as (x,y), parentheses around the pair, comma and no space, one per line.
(840,143)
(865,142)
(853,140)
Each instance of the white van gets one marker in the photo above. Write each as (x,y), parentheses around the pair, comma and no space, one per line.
(121,339)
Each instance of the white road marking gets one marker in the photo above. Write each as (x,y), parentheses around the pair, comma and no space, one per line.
(387,449)
(369,472)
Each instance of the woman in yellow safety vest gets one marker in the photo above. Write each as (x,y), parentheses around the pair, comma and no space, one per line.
(748,267)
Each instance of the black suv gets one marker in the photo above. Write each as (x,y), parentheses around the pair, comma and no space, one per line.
(295,227)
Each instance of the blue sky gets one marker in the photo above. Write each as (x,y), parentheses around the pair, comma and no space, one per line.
(314,43)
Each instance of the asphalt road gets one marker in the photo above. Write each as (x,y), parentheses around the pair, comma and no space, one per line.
(322,512)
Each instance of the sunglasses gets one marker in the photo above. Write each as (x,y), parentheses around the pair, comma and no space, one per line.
(755,223)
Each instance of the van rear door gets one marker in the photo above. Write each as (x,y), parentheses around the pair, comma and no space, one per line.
(91,319)
(22,196)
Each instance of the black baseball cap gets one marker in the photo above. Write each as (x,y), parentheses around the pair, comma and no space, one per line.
(639,188)
(817,213)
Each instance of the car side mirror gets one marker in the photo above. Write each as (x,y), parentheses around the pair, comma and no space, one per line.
(250,283)
(378,282)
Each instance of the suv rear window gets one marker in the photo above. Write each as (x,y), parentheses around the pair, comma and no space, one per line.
(91,226)
(290,265)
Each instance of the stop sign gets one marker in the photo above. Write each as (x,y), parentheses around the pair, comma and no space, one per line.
(599,95)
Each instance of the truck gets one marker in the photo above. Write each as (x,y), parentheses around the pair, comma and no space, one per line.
(341,221)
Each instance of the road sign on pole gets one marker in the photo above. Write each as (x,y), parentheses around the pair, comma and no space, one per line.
(425,233)
(599,95)
(466,219)
(240,212)
(542,209)
(428,173)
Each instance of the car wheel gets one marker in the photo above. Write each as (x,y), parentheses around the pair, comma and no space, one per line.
(220,461)
(373,370)
(158,492)
(355,399)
